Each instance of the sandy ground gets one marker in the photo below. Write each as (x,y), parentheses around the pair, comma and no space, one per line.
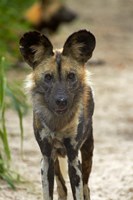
(112,77)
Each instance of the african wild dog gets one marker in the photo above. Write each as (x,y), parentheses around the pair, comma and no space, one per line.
(62,109)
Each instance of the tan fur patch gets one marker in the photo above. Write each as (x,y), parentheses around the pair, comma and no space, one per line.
(39,52)
(76,49)
(29,83)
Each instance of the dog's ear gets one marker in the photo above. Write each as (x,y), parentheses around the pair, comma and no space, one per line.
(80,46)
(35,47)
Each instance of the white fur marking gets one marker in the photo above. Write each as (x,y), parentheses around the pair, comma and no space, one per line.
(45,183)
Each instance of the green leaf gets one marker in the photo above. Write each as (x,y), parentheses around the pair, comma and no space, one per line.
(3,131)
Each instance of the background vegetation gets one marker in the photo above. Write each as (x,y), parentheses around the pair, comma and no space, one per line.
(12,25)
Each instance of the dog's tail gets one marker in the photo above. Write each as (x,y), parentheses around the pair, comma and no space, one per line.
(63,166)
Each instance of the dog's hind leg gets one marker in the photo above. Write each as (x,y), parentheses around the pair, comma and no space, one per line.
(61,187)
(86,154)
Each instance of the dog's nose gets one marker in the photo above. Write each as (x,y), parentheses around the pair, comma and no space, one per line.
(61,101)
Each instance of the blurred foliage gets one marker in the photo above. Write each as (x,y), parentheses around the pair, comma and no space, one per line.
(11,96)
(12,25)
(7,174)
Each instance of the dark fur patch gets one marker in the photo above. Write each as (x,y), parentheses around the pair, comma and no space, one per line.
(74,179)
(51,177)
(85,125)
(42,172)
(44,144)
(58,62)
(46,148)
(87,153)
(61,152)
(71,152)
(79,166)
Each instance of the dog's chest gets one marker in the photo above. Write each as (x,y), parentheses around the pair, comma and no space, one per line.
(56,141)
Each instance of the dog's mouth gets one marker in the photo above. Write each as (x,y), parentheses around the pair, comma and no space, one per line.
(61,111)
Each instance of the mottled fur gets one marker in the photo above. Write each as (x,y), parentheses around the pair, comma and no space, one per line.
(62,108)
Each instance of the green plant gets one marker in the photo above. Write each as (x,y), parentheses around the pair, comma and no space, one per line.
(10,96)
(7,174)
(12,25)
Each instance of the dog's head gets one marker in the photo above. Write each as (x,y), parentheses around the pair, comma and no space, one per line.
(58,78)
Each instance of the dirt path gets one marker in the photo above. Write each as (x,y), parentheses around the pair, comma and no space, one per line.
(112,174)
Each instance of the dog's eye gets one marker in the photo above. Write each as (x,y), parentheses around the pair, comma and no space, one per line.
(71,76)
(48,77)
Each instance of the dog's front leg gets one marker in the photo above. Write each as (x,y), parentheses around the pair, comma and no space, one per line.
(74,168)
(47,165)
(47,174)
(75,176)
